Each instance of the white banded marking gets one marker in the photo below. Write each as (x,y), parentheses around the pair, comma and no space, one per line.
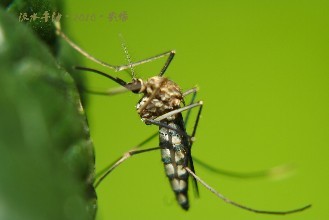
(181,171)
(165,154)
(181,198)
(169,168)
(179,157)
(178,185)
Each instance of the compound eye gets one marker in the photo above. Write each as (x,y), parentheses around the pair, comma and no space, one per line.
(134,86)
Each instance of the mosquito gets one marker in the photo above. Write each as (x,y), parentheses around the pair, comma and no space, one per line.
(162,105)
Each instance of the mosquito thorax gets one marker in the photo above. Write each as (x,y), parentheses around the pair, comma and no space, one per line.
(161,96)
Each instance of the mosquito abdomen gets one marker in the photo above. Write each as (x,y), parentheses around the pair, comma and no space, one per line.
(174,156)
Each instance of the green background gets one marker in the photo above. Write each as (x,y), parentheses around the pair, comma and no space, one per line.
(262,68)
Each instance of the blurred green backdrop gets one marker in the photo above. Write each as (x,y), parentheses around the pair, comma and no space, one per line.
(262,68)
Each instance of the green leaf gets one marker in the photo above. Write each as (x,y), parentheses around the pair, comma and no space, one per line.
(44,28)
(46,156)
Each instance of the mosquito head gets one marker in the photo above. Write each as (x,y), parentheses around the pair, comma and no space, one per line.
(136,86)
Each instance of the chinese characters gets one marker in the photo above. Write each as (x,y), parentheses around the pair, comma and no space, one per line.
(112,17)
(45,17)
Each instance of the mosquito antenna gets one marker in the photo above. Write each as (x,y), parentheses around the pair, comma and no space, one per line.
(125,49)
(225,199)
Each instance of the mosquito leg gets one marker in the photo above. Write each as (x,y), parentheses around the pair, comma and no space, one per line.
(194,92)
(225,199)
(125,156)
(80,50)
(160,124)
(147,60)
(164,68)
(157,121)
(191,163)
(100,173)
(200,103)
(114,67)
(274,172)
(197,121)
